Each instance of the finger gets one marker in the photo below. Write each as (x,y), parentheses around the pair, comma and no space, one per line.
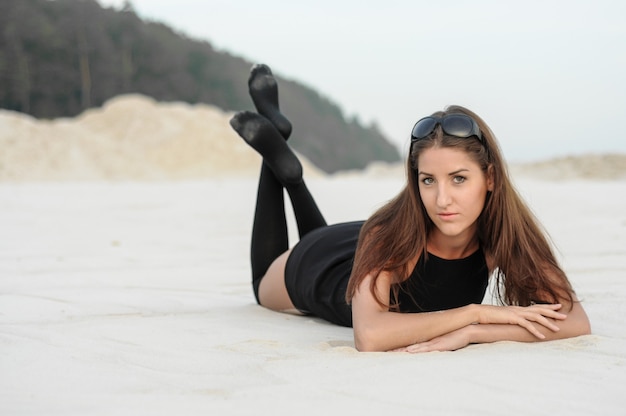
(544,315)
(531,328)
(547,323)
(556,315)
(550,311)
(423,347)
(540,319)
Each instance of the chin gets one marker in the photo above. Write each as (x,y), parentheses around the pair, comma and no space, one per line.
(453,231)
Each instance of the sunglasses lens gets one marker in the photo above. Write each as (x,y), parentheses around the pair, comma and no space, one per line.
(424,127)
(458,125)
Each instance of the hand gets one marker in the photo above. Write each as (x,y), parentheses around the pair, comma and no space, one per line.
(524,316)
(449,342)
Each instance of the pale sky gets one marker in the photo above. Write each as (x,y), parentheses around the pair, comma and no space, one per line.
(548,76)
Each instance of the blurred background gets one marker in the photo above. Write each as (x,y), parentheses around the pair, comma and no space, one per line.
(354,76)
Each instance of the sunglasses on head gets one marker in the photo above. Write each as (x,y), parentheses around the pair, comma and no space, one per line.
(457,125)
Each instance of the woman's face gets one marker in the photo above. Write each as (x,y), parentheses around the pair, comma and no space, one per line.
(453,189)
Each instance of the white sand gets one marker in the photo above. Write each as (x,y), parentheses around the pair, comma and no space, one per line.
(132,296)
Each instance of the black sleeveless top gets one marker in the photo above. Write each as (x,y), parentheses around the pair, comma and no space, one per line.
(319,267)
(438,284)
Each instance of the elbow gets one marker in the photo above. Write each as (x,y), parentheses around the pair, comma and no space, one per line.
(367,340)
(584,325)
(366,346)
(585,328)
(580,325)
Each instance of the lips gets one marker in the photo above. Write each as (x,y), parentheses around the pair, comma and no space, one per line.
(446,215)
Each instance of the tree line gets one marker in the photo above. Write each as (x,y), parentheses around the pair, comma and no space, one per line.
(58,58)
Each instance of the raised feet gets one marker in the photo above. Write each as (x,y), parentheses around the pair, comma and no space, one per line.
(259,133)
(264,92)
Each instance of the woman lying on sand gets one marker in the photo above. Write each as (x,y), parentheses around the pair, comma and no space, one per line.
(412,277)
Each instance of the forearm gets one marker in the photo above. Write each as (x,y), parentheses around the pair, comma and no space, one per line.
(388,330)
(574,325)
(486,333)
(497,326)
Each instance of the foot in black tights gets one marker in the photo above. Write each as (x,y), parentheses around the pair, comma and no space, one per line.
(264,92)
(259,133)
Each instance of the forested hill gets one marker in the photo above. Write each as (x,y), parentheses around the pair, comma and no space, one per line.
(60,57)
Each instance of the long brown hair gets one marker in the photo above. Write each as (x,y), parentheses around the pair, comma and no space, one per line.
(524,265)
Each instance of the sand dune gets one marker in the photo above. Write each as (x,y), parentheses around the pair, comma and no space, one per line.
(592,166)
(133,137)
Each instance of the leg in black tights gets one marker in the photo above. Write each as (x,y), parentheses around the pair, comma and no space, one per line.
(269,229)
(263,90)
(281,167)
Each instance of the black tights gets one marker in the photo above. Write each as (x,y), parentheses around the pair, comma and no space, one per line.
(269,230)
(267,133)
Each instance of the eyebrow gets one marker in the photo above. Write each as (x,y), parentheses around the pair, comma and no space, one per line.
(449,174)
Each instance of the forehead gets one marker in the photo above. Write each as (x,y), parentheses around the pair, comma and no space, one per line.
(445,159)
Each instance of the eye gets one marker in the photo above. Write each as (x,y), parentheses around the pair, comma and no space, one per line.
(458,179)
(428,181)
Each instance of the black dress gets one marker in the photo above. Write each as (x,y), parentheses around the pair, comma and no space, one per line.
(319,267)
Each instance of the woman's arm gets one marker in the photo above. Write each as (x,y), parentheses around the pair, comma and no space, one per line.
(575,324)
(377,329)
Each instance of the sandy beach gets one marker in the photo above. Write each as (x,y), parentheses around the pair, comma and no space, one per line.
(130,295)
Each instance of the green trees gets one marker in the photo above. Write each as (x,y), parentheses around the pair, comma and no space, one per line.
(58,58)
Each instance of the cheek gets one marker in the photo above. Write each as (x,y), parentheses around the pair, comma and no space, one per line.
(426,196)
(475,200)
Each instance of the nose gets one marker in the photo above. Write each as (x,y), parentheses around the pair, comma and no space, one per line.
(444,198)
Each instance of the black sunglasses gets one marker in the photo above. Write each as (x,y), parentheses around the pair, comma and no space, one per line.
(457,125)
